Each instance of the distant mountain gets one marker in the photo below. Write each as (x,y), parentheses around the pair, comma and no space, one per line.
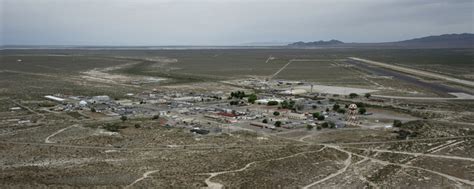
(315,43)
(464,40)
(269,43)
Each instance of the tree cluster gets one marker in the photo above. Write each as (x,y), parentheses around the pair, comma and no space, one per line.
(288,104)
(238,94)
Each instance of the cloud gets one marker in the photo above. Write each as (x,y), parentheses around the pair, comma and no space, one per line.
(224,22)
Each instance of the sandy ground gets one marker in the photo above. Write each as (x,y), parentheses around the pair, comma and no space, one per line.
(335,90)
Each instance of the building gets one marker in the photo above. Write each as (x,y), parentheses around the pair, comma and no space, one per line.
(53,98)
(100,99)
(266,100)
(295,116)
(82,103)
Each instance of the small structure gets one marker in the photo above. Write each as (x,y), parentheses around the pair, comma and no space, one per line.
(352,115)
(57,99)
(100,99)
(296,116)
(15,108)
(265,101)
(82,103)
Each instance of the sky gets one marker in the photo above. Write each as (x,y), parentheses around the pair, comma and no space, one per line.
(227,22)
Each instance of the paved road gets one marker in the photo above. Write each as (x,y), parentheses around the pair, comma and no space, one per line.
(383,71)
(415,72)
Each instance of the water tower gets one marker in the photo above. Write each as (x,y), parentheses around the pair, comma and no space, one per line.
(352,115)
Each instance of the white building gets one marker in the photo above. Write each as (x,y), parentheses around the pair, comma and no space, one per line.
(295,116)
(266,100)
(57,99)
(102,98)
(82,103)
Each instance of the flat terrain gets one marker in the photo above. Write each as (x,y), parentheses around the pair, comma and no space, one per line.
(44,144)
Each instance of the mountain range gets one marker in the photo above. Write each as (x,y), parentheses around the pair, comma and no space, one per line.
(464,40)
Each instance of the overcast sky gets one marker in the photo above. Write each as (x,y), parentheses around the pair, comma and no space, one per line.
(227,22)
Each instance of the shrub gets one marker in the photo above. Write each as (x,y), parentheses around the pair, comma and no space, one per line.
(353,95)
(156,117)
(309,127)
(332,125)
(137,125)
(265,121)
(238,94)
(123,118)
(234,102)
(272,103)
(316,115)
(397,123)
(367,95)
(93,110)
(314,106)
(288,105)
(341,111)
(335,107)
(252,98)
(275,113)
(111,127)
(277,123)
(321,117)
(319,127)
(325,125)
(360,104)
(362,110)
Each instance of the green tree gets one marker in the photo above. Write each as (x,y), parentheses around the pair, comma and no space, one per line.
(397,123)
(321,117)
(314,106)
(112,127)
(275,113)
(252,98)
(265,121)
(315,114)
(341,111)
(278,124)
(335,107)
(123,118)
(325,125)
(272,103)
(318,127)
(156,117)
(362,110)
(353,95)
(367,95)
(93,109)
(309,127)
(332,125)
